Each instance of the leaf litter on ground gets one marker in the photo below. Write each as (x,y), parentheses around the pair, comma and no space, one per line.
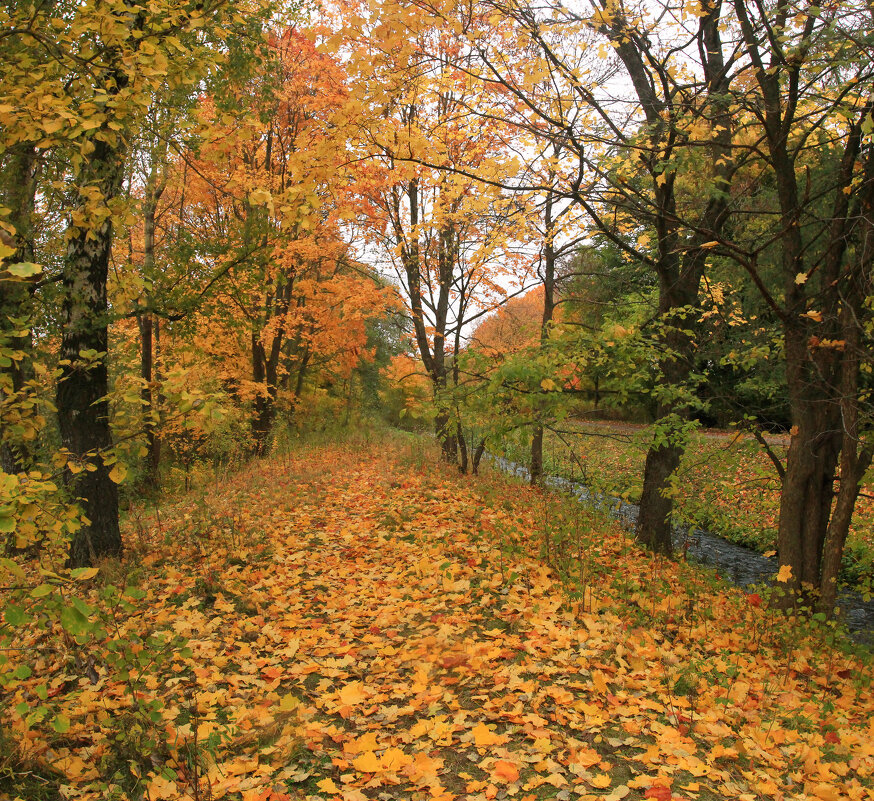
(364,625)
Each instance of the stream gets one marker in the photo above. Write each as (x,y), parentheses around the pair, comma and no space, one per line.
(741,566)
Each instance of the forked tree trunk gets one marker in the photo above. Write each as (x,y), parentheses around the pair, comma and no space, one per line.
(477,456)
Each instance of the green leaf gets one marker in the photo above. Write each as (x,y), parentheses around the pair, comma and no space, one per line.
(22,672)
(13,568)
(74,621)
(61,724)
(83,608)
(14,615)
(7,524)
(41,591)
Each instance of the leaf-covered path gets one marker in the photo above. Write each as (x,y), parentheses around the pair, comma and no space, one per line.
(364,626)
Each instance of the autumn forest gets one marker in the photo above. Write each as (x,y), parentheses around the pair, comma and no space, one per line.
(436,400)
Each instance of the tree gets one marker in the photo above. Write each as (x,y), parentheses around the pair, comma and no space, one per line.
(269,188)
(807,108)
(77,82)
(448,241)
(623,158)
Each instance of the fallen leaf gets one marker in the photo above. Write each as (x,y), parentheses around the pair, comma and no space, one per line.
(505,772)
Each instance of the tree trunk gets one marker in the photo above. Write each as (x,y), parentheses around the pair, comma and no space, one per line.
(656,504)
(676,290)
(154,189)
(444,428)
(477,456)
(83,407)
(264,412)
(154,455)
(462,453)
(18,187)
(853,467)
(146,393)
(536,471)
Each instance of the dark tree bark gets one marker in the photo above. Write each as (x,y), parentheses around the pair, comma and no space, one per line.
(83,408)
(147,321)
(681,259)
(549,226)
(433,357)
(17,193)
(825,263)
(477,456)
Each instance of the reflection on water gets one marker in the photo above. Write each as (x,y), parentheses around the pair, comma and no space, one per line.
(739,565)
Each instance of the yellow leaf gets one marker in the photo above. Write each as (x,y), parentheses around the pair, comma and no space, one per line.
(118,473)
(548,384)
(240,766)
(600,682)
(85,573)
(367,763)
(161,788)
(601,781)
(328,786)
(394,760)
(784,573)
(288,703)
(483,736)
(827,792)
(801,278)
(768,554)
(352,693)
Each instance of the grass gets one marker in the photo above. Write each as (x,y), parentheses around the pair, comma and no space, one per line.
(726,484)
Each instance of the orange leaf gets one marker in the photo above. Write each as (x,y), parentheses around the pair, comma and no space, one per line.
(352,693)
(505,772)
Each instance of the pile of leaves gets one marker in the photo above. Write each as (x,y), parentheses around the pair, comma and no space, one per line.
(360,625)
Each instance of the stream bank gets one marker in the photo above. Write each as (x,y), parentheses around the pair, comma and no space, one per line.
(741,566)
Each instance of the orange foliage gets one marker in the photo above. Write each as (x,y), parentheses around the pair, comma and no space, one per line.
(513,327)
(269,189)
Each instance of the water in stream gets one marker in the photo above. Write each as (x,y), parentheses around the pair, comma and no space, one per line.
(742,566)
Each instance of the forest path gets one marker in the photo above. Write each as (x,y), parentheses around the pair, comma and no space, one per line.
(434,660)
(364,624)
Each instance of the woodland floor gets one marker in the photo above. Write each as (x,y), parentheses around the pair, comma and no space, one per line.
(365,625)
